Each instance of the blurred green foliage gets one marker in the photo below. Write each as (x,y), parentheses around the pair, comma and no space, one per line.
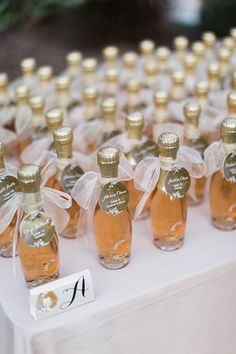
(23,12)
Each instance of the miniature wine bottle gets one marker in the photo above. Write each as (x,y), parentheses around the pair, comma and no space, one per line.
(193,138)
(54,120)
(22,103)
(141,149)
(39,125)
(38,246)
(178,90)
(73,60)
(67,175)
(109,117)
(8,187)
(111,56)
(223,182)
(112,222)
(169,211)
(231,105)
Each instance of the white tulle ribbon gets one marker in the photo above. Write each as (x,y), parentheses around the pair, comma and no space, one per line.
(54,203)
(37,152)
(147,172)
(214,156)
(87,189)
(7,114)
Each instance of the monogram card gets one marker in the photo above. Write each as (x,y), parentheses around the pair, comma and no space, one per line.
(61,295)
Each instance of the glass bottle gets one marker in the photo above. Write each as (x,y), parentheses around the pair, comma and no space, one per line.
(209,40)
(224,57)
(198,49)
(133,99)
(64,99)
(178,91)
(150,70)
(111,56)
(39,125)
(112,222)
(22,103)
(109,112)
(54,120)
(38,246)
(201,93)
(214,76)
(160,103)
(146,48)
(129,60)
(4,94)
(181,47)
(67,175)
(163,56)
(223,182)
(142,148)
(111,82)
(45,75)
(8,186)
(231,104)
(193,138)
(168,215)
(73,60)
(228,43)
(28,67)
(89,69)
(190,66)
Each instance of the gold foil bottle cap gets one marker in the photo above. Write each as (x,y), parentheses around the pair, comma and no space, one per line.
(162,54)
(28,66)
(190,62)
(224,55)
(130,60)
(111,75)
(3,80)
(109,105)
(228,42)
(108,159)
(201,89)
(151,68)
(2,150)
(90,94)
(37,104)
(134,125)
(147,47)
(192,113)
(54,118)
(63,135)
(209,39)
(213,71)
(89,65)
(234,81)
(45,73)
(132,86)
(62,84)
(231,102)
(161,98)
(29,178)
(22,94)
(198,49)
(181,44)
(110,53)
(74,59)
(233,33)
(168,144)
(228,131)
(178,77)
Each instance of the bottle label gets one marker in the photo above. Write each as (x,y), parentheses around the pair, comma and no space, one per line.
(114,198)
(37,229)
(200,145)
(9,186)
(229,167)
(177,182)
(70,176)
(146,149)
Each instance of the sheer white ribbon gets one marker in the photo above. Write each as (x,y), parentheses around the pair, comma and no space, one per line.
(147,172)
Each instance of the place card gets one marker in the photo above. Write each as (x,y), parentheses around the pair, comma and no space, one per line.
(61,295)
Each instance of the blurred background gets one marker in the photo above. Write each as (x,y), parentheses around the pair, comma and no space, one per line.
(48,29)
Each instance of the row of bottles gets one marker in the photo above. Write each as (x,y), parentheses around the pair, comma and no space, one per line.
(132,138)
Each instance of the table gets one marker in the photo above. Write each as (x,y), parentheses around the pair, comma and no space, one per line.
(180,302)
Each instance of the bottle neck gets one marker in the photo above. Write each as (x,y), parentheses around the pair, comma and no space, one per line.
(229,147)
(160,114)
(64,151)
(32,202)
(106,180)
(166,164)
(191,133)
(135,133)
(2,166)
(109,173)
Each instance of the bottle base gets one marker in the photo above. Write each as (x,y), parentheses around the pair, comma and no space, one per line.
(69,233)
(114,264)
(168,243)
(226,224)
(41,281)
(6,251)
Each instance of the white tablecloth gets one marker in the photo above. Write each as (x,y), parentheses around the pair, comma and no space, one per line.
(181,302)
